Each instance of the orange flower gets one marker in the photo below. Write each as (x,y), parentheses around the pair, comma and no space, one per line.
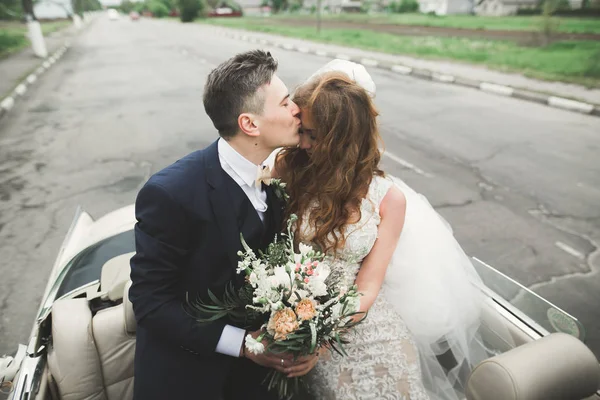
(282,323)
(305,309)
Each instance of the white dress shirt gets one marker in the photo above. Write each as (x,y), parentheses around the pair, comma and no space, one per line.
(244,173)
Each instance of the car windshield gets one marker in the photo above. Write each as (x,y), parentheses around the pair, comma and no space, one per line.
(542,314)
(86,266)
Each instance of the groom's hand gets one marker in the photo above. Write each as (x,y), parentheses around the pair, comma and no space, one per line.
(278,362)
(283,362)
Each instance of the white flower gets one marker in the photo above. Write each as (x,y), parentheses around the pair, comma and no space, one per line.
(254,346)
(282,277)
(316,283)
(304,294)
(305,249)
(316,286)
(253,279)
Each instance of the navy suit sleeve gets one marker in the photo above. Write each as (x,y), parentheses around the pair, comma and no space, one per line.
(162,238)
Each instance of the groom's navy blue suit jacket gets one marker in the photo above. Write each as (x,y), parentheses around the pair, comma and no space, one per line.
(190,216)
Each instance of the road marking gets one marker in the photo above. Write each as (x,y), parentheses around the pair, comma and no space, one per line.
(367,62)
(288,46)
(303,50)
(568,249)
(31,78)
(21,89)
(402,69)
(407,164)
(342,56)
(321,53)
(442,77)
(46,64)
(567,104)
(497,89)
(7,103)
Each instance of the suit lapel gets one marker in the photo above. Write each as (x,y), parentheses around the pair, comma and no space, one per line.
(276,208)
(223,203)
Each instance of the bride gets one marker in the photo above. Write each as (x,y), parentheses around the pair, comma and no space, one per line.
(418,285)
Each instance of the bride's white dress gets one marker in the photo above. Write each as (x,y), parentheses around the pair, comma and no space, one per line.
(427,306)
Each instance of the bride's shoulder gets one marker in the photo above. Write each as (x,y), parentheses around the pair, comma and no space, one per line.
(379,187)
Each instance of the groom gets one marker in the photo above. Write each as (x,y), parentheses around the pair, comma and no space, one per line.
(189,219)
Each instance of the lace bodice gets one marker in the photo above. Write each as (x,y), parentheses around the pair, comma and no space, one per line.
(382,360)
(360,236)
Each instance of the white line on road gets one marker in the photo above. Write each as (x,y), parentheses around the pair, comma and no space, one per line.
(497,89)
(7,103)
(407,164)
(442,77)
(402,69)
(568,249)
(31,78)
(46,64)
(367,62)
(21,89)
(567,104)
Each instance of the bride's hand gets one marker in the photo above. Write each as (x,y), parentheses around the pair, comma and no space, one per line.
(303,365)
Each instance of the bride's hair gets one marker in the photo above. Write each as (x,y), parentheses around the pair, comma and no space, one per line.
(343,162)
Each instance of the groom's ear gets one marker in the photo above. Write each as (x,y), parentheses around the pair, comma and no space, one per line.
(248,124)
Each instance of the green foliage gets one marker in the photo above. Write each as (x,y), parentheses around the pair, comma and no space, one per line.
(158,9)
(189,10)
(403,6)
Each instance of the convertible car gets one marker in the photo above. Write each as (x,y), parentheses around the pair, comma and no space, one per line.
(82,342)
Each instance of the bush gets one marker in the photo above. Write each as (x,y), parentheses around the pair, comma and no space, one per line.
(158,9)
(405,6)
(190,9)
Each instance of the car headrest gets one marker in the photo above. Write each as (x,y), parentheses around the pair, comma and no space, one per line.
(130,322)
(114,276)
(558,366)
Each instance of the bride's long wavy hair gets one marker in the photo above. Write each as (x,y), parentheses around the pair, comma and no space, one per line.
(343,161)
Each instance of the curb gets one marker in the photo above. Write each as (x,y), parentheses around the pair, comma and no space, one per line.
(18,92)
(488,87)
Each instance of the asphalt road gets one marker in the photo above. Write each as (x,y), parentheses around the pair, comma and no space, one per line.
(519,182)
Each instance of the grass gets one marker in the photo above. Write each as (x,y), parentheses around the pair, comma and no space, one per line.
(13,35)
(509,23)
(568,61)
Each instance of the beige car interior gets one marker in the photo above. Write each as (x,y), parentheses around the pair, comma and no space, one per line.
(91,356)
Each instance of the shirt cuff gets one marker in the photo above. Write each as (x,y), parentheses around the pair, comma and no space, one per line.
(231,341)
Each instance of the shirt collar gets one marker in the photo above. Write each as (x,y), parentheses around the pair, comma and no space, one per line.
(244,168)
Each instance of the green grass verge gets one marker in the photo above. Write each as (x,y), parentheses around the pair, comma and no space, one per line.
(568,61)
(509,23)
(13,35)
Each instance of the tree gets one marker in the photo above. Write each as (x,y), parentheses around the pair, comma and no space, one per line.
(11,9)
(189,10)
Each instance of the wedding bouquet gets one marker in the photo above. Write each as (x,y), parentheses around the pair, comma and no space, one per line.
(293,297)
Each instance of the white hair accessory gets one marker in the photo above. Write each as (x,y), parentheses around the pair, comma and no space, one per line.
(357,72)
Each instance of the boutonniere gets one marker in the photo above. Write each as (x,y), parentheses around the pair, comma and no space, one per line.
(263,176)
(279,189)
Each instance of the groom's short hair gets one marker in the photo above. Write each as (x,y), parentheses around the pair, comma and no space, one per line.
(233,88)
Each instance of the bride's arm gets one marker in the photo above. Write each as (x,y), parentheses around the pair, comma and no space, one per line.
(372,272)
